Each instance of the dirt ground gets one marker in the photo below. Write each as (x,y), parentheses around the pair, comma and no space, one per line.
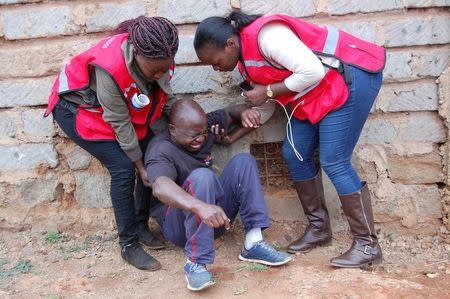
(88,265)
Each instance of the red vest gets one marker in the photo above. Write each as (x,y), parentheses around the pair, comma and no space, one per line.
(332,91)
(107,55)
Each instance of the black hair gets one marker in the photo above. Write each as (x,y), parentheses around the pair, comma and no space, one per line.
(152,37)
(217,30)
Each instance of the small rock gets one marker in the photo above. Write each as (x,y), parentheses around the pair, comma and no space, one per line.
(79,255)
(432,275)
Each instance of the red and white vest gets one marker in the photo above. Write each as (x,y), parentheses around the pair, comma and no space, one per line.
(332,91)
(107,55)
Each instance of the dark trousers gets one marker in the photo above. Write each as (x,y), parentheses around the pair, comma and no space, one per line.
(238,189)
(123,175)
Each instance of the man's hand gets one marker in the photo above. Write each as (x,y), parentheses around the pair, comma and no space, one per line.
(251,118)
(213,216)
(219,135)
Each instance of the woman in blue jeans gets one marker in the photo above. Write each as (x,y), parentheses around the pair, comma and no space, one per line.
(328,81)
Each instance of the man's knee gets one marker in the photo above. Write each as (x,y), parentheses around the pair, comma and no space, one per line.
(203,175)
(243,159)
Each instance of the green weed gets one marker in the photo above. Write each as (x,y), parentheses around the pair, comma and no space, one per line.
(21,267)
(98,239)
(252,267)
(277,246)
(54,237)
(3,262)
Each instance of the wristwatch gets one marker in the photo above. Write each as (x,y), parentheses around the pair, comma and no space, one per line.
(269,92)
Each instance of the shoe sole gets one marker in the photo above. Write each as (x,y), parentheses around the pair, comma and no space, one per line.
(148,269)
(202,287)
(265,262)
(155,268)
(371,263)
(324,244)
(153,247)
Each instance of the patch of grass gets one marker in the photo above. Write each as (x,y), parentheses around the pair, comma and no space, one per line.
(277,246)
(73,249)
(252,267)
(21,267)
(391,236)
(257,267)
(68,250)
(76,248)
(54,237)
(3,262)
(98,239)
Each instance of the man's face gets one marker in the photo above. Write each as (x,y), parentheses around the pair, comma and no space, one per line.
(191,136)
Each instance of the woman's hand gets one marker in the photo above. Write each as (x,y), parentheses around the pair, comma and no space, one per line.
(142,172)
(144,177)
(257,96)
(251,118)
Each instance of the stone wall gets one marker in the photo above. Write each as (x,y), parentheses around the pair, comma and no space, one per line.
(48,182)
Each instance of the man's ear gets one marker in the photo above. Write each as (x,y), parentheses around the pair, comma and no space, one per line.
(171,129)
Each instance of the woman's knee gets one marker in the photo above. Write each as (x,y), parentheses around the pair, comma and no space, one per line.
(124,169)
(299,170)
(336,169)
(288,153)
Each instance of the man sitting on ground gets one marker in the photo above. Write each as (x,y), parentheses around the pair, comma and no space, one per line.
(196,205)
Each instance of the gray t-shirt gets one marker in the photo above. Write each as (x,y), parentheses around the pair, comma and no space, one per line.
(164,157)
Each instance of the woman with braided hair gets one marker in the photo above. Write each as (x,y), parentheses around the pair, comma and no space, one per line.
(105,99)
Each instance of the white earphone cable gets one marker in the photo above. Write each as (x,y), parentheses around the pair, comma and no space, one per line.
(289,135)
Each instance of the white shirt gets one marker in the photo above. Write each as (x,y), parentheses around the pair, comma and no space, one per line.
(282,48)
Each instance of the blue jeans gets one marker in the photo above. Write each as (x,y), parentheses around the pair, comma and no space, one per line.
(335,135)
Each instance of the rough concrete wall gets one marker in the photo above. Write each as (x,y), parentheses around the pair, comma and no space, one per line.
(47,181)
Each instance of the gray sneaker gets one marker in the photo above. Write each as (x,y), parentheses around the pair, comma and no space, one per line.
(197,276)
(263,253)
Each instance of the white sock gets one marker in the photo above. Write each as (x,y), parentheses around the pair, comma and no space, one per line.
(252,236)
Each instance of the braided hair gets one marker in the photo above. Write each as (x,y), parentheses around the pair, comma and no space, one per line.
(152,37)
